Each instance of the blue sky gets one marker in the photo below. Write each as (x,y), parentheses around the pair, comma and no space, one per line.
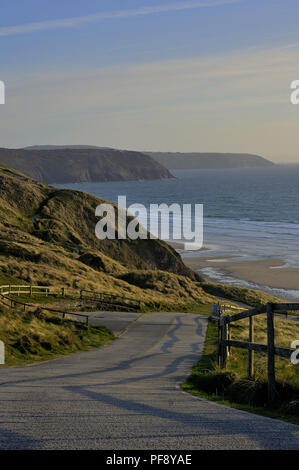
(171,75)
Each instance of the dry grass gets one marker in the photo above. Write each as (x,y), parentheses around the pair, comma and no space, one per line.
(252,297)
(35,336)
(286,331)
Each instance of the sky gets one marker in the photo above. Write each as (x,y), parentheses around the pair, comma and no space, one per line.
(160,75)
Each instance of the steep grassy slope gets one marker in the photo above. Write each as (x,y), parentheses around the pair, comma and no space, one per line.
(65,165)
(47,237)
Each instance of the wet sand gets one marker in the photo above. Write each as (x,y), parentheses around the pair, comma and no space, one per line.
(259,271)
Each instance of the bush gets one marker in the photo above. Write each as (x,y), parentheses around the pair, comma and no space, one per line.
(246,391)
(212,382)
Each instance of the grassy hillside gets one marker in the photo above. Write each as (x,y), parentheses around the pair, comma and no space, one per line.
(251,297)
(47,237)
(66,165)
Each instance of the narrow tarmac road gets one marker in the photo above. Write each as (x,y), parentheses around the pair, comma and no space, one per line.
(126,395)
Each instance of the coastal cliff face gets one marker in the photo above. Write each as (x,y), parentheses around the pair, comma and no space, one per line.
(181,161)
(47,237)
(68,165)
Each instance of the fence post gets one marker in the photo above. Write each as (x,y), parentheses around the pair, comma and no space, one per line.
(223,347)
(271,354)
(219,342)
(224,354)
(62,291)
(251,353)
(228,337)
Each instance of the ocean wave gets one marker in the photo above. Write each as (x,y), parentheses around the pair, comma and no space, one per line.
(218,276)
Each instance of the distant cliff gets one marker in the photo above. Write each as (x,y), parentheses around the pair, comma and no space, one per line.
(74,165)
(180,161)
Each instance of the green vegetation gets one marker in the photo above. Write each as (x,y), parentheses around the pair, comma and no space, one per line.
(36,336)
(254,298)
(231,385)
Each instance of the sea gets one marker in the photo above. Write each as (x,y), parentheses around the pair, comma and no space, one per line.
(249,212)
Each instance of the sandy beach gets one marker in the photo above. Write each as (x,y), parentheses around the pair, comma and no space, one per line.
(263,272)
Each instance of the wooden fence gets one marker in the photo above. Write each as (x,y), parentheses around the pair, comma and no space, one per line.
(5,291)
(225,342)
(115,301)
(29,290)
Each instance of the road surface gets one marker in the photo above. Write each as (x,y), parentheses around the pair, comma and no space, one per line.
(126,395)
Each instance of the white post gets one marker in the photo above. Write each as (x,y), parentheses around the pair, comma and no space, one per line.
(2,353)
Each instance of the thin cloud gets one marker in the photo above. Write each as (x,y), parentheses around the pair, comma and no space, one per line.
(258,76)
(73,22)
